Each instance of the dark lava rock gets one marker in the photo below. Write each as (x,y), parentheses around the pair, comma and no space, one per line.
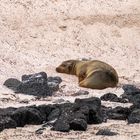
(113,97)
(35,77)
(53,83)
(61,125)
(136,100)
(12,83)
(54,114)
(46,110)
(27,115)
(80,92)
(7,122)
(93,102)
(130,91)
(34,84)
(109,97)
(94,106)
(134,117)
(76,116)
(106,132)
(55,79)
(67,116)
(7,111)
(78,124)
(53,86)
(104,112)
(118,113)
(64,116)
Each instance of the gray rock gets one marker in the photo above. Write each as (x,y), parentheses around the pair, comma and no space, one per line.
(106,132)
(134,117)
(80,92)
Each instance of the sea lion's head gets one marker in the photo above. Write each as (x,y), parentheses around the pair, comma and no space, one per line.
(66,67)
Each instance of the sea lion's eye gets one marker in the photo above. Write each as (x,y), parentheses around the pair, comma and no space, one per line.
(63,65)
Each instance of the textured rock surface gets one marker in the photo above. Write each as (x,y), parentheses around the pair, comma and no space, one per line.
(113,98)
(67,116)
(34,84)
(118,113)
(80,92)
(132,93)
(134,117)
(106,132)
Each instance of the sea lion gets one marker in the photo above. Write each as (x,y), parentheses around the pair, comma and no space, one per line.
(92,74)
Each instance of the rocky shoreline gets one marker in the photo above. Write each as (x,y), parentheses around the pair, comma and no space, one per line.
(66,116)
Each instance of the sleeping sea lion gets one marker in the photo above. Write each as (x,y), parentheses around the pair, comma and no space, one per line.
(93,74)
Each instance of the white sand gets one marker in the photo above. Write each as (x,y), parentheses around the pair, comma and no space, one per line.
(37,35)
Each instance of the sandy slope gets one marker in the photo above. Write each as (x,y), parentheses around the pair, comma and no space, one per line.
(37,35)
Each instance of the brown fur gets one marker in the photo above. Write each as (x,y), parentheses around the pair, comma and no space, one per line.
(91,74)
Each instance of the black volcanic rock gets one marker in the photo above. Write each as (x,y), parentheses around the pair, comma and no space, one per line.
(136,100)
(63,117)
(61,125)
(104,111)
(46,110)
(34,84)
(34,77)
(7,111)
(55,79)
(78,124)
(109,97)
(67,116)
(53,83)
(54,114)
(130,91)
(113,98)
(80,92)
(7,122)
(12,83)
(27,115)
(134,116)
(118,113)
(94,106)
(106,132)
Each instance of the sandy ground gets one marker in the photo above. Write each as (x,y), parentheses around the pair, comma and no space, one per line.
(37,35)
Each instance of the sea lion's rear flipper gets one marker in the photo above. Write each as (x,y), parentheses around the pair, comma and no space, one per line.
(100,79)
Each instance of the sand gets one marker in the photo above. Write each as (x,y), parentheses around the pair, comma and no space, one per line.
(37,35)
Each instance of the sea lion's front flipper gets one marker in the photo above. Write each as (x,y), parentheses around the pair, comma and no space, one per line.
(82,75)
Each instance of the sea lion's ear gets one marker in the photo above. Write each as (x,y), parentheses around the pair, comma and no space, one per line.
(69,65)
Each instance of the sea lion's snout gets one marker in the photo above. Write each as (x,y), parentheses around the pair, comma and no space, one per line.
(61,69)
(58,69)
